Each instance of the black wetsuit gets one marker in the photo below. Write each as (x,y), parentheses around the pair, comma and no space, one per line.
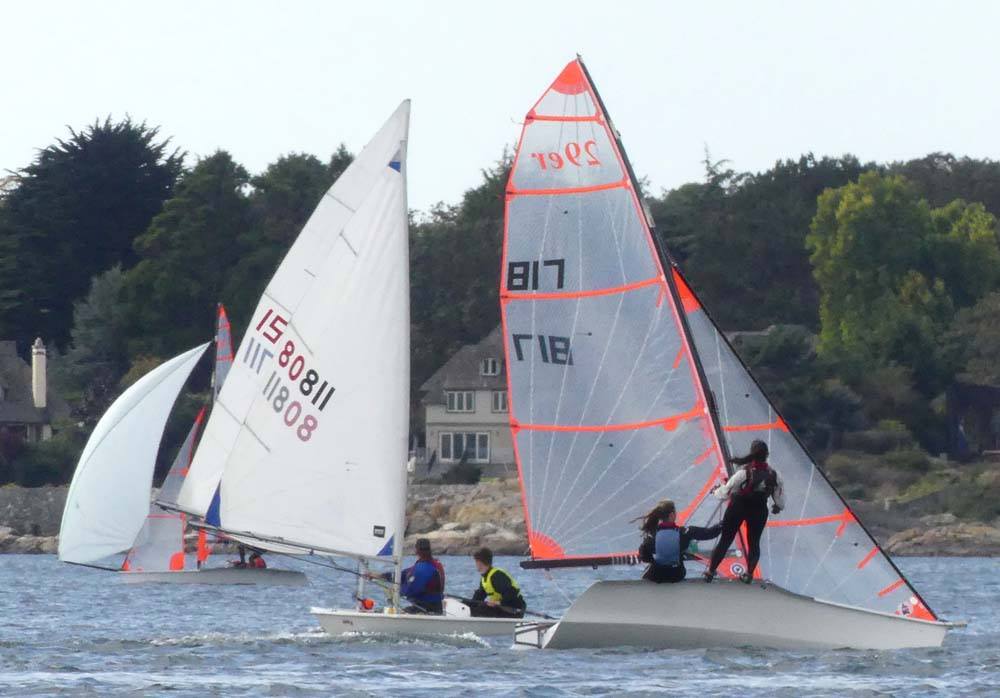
(746,505)
(672,573)
(511,603)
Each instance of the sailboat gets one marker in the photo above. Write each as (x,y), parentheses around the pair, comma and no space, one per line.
(623,391)
(108,507)
(308,443)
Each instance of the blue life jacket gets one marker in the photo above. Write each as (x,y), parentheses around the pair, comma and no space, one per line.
(422,583)
(668,547)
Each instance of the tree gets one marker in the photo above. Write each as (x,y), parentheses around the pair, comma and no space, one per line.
(98,355)
(185,258)
(455,274)
(742,236)
(974,340)
(74,213)
(891,272)
(281,201)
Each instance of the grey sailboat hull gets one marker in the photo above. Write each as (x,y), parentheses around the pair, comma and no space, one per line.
(219,575)
(693,614)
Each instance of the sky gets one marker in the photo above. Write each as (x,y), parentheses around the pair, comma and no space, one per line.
(751,82)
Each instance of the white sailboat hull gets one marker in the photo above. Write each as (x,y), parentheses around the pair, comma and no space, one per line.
(693,614)
(342,622)
(219,575)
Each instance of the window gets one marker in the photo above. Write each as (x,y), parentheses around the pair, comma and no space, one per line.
(489,367)
(460,401)
(499,400)
(474,447)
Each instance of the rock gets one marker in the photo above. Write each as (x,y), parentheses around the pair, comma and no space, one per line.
(960,539)
(939,519)
(35,511)
(454,526)
(420,521)
(506,542)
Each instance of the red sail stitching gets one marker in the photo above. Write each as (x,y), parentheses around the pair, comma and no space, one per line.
(557,295)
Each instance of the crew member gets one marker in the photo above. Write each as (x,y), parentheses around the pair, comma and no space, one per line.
(664,543)
(422,584)
(256,561)
(748,490)
(498,595)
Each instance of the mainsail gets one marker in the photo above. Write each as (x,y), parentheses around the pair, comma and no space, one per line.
(108,499)
(622,391)
(308,437)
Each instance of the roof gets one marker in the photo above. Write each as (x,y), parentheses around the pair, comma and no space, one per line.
(462,370)
(18,404)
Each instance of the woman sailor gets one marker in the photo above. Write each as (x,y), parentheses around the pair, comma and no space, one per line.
(748,490)
(664,542)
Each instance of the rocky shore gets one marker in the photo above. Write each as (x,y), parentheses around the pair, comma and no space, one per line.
(458,519)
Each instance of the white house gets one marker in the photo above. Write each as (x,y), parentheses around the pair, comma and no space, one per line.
(466,416)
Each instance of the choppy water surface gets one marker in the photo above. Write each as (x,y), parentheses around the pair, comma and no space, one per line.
(70,630)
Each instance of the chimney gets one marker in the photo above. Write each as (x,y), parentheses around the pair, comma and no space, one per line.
(39,385)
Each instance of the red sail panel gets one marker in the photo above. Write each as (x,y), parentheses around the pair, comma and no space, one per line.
(607,411)
(223,350)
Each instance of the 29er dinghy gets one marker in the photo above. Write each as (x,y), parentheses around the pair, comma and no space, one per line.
(623,391)
(308,445)
(107,508)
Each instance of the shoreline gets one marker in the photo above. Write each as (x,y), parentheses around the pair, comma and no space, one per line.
(458,519)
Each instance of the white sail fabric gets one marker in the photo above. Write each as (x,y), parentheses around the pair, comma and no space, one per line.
(816,546)
(309,433)
(108,499)
(160,544)
(606,411)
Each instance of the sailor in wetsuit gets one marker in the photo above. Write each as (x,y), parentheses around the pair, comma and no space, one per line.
(498,595)
(664,542)
(748,490)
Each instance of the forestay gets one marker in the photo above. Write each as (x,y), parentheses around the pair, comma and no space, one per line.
(108,499)
(309,433)
(607,413)
(610,384)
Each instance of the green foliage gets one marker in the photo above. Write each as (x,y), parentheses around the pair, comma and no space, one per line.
(281,201)
(974,341)
(97,356)
(741,236)
(46,462)
(462,474)
(891,271)
(74,213)
(185,254)
(454,274)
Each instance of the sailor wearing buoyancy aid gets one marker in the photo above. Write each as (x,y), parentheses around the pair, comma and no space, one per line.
(664,543)
(748,490)
(498,595)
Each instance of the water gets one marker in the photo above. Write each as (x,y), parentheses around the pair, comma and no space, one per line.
(69,630)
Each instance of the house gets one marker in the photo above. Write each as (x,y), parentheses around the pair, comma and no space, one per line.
(27,408)
(465,412)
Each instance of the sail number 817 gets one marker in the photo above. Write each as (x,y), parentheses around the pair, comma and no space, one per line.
(553,350)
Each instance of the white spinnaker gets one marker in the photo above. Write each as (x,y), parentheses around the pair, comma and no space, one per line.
(309,434)
(108,499)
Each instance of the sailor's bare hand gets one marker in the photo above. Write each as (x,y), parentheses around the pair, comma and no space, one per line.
(491,602)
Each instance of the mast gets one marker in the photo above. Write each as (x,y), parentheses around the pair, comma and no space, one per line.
(667,266)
